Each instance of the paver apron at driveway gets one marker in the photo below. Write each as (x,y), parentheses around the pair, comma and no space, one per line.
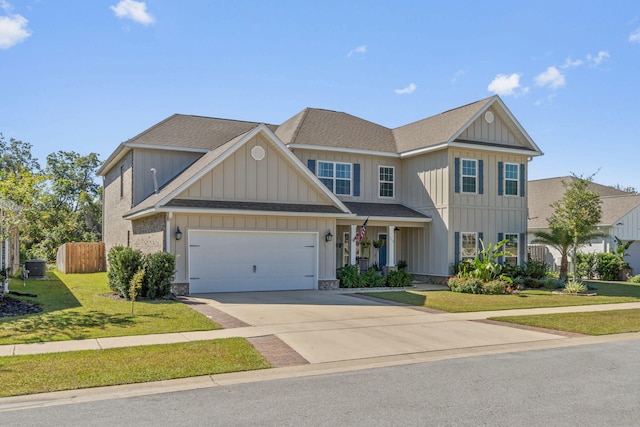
(327,326)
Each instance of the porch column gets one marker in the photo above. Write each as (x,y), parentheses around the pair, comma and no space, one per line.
(391,246)
(352,245)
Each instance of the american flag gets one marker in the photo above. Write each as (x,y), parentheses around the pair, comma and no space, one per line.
(360,235)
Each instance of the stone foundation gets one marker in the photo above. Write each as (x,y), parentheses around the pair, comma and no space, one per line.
(328,284)
(427,278)
(180,288)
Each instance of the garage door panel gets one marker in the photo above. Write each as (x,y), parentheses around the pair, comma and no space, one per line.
(227,261)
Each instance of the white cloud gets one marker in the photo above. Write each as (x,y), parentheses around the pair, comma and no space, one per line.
(360,50)
(552,78)
(458,74)
(602,55)
(505,85)
(134,10)
(13,28)
(407,90)
(569,63)
(635,36)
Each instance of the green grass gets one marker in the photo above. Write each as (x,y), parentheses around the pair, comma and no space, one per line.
(74,307)
(591,323)
(94,368)
(607,293)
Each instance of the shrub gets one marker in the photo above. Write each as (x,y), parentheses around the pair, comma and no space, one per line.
(402,265)
(371,279)
(398,278)
(574,287)
(609,266)
(123,264)
(495,287)
(465,285)
(136,286)
(586,265)
(551,283)
(348,276)
(635,279)
(159,271)
(513,271)
(532,283)
(536,269)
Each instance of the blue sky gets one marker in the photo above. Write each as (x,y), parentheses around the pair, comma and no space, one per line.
(86,75)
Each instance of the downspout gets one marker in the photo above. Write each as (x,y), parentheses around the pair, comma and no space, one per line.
(167,230)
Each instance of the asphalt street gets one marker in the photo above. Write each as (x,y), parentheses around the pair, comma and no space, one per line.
(586,385)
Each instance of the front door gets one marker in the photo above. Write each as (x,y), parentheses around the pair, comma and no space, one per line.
(382,251)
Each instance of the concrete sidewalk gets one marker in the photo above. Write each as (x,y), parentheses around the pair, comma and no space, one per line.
(349,330)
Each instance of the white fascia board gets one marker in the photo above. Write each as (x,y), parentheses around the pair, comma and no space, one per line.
(167,148)
(419,151)
(517,123)
(343,150)
(393,219)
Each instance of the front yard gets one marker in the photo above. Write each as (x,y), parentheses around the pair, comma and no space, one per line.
(78,306)
(455,302)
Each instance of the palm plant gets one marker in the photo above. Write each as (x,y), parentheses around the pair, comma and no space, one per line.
(563,241)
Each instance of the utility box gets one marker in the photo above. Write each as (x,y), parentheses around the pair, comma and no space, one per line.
(37,268)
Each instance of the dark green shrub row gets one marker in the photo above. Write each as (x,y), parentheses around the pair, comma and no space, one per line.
(350,278)
(471,285)
(159,269)
(606,266)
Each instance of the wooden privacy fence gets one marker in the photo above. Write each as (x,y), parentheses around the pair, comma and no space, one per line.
(80,257)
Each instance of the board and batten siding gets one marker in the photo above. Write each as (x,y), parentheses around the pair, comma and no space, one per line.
(186,222)
(241,177)
(498,131)
(369,175)
(425,180)
(167,163)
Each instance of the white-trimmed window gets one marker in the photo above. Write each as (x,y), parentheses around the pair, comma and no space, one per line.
(511,249)
(336,176)
(468,245)
(386,180)
(469,174)
(511,177)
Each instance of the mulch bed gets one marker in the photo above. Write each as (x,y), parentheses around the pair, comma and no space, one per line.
(11,307)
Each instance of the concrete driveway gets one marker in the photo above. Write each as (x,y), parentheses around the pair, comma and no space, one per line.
(329,326)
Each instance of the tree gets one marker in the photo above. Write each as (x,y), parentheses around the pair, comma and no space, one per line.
(576,214)
(16,157)
(562,241)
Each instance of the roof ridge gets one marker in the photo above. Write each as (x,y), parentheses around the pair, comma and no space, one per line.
(305,112)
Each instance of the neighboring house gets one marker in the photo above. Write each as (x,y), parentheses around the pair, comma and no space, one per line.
(252,206)
(620,216)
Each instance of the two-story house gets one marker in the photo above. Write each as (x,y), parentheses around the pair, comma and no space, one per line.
(251,206)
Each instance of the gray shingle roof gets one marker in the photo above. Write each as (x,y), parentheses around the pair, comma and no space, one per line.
(383,210)
(325,128)
(436,129)
(543,192)
(184,131)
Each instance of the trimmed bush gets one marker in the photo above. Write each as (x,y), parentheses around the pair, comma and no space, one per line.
(465,285)
(123,264)
(609,266)
(348,276)
(371,279)
(398,279)
(494,287)
(159,271)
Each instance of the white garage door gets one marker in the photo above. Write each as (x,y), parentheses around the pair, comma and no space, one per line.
(234,261)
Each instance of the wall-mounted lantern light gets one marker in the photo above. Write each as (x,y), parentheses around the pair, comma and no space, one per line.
(178,233)
(328,237)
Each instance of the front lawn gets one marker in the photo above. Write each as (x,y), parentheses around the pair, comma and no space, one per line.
(591,323)
(455,302)
(76,306)
(94,368)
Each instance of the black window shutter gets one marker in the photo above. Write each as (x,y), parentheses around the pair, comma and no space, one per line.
(523,248)
(311,163)
(356,179)
(456,163)
(480,237)
(481,176)
(456,251)
(500,178)
(522,181)
(500,239)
